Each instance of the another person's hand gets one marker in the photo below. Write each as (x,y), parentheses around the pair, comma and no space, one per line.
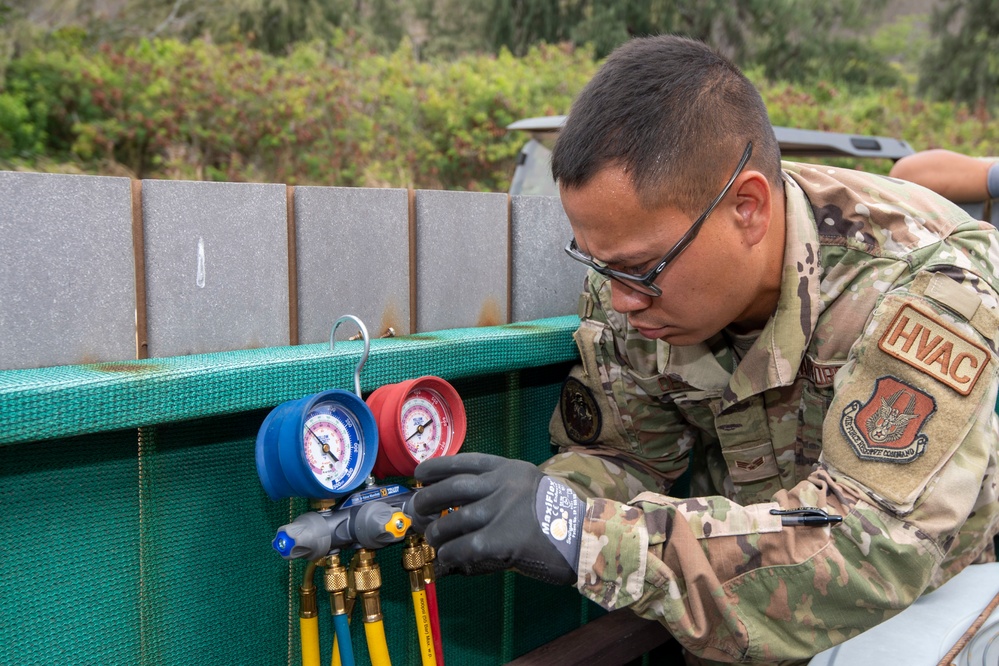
(510,516)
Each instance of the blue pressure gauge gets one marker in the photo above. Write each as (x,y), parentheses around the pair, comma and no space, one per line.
(322,446)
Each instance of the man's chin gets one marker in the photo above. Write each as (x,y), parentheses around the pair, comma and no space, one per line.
(654,333)
(678,337)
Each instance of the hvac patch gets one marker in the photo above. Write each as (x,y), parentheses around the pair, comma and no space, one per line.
(934,348)
(580,413)
(886,428)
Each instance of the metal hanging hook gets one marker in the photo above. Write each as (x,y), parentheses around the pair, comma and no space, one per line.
(364,356)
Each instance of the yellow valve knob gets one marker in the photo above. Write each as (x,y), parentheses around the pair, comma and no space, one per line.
(398,525)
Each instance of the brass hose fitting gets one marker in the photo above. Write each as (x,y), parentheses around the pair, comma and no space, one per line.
(412,561)
(368,582)
(337,585)
(307,593)
(429,555)
(322,505)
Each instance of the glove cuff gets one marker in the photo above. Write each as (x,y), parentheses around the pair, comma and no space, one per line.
(560,513)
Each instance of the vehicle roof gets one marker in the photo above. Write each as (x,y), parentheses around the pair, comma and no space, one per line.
(793,142)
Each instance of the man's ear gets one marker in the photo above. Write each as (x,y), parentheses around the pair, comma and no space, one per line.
(754,201)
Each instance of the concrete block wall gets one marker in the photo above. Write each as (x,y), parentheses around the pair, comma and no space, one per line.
(98,269)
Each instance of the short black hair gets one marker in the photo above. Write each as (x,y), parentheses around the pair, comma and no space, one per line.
(672,112)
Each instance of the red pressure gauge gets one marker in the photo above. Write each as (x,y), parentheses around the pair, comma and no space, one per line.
(417,419)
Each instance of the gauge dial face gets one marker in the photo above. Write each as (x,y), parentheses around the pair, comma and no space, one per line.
(331,437)
(427,426)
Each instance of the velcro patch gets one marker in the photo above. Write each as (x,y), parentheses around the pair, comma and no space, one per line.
(895,454)
(580,414)
(887,428)
(934,348)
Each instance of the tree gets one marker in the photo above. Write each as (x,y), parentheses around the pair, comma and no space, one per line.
(963,63)
(802,41)
(789,39)
(518,24)
(446,28)
(269,25)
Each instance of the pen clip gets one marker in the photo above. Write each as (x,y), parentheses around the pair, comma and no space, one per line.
(806,516)
(801,511)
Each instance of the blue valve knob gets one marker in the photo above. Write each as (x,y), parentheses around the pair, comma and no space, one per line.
(308,536)
(283,543)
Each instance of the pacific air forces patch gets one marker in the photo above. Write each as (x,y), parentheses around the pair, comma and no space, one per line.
(580,413)
(887,428)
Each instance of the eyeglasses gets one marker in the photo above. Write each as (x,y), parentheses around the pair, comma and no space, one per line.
(645,284)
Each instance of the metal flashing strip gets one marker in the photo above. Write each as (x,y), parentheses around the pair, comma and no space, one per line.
(105,397)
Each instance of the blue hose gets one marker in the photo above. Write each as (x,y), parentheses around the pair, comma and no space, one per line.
(342,630)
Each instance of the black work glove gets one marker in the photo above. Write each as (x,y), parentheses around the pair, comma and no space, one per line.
(510,515)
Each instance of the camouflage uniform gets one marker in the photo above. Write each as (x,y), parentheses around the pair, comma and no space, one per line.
(869,394)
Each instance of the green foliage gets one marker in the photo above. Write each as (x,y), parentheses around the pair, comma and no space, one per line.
(894,114)
(812,41)
(187,111)
(442,124)
(18,135)
(963,63)
(162,108)
(790,40)
(342,112)
(903,43)
(450,27)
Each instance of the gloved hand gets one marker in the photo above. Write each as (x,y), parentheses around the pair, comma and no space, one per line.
(510,516)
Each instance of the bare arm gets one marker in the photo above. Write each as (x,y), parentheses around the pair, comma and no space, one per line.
(958,177)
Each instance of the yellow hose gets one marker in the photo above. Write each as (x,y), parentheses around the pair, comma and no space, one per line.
(309,627)
(423,628)
(374,632)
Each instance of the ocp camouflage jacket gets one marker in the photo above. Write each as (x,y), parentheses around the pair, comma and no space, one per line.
(869,394)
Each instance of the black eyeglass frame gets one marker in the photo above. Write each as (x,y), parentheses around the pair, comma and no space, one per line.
(645,284)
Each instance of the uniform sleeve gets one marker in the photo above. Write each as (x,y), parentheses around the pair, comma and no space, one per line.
(614,403)
(908,439)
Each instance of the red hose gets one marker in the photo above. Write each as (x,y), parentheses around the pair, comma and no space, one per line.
(435,623)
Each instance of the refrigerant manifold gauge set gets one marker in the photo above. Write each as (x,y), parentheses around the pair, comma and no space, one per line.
(330,446)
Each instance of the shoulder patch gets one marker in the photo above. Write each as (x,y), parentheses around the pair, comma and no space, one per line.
(934,348)
(580,414)
(887,428)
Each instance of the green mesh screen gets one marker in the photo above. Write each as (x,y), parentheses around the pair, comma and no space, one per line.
(135,530)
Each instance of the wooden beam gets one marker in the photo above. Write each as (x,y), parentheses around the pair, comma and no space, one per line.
(615,638)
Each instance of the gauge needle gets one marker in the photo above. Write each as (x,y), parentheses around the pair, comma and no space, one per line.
(419,429)
(326,447)
(313,433)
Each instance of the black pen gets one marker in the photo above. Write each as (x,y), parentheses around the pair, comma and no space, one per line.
(805,517)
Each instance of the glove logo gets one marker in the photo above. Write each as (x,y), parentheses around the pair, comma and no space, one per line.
(560,515)
(559,529)
(580,414)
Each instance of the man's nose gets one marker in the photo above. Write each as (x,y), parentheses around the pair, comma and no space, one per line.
(624,299)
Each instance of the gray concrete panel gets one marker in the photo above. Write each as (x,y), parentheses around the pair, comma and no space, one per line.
(67,270)
(462,249)
(352,249)
(216,266)
(545,281)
